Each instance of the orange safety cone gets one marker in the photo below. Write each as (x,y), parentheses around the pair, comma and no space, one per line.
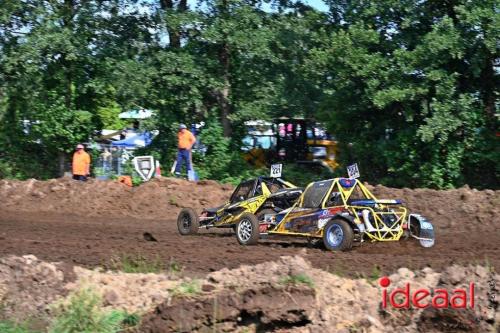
(157,169)
(127,180)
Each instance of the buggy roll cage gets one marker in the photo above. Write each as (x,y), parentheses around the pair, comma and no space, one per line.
(264,182)
(378,230)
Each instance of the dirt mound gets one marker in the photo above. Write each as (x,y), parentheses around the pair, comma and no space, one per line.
(162,198)
(28,286)
(264,308)
(131,292)
(158,198)
(464,207)
(287,295)
(277,296)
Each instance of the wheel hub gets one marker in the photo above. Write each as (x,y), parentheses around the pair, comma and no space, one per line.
(186,222)
(245,230)
(335,235)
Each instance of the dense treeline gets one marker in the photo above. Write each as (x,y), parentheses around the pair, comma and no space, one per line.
(409,88)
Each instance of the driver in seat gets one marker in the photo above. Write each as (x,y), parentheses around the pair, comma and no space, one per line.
(334,200)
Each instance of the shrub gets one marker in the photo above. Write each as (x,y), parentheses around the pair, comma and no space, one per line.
(83,314)
(297,280)
(137,264)
(187,288)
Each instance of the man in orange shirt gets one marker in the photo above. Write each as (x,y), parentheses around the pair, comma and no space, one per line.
(81,163)
(186,141)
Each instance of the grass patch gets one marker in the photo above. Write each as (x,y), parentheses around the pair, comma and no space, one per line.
(376,273)
(12,327)
(338,271)
(174,267)
(173,201)
(136,180)
(131,320)
(84,313)
(489,265)
(187,288)
(137,264)
(297,280)
(354,328)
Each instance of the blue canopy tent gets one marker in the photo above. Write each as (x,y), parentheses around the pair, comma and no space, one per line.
(138,140)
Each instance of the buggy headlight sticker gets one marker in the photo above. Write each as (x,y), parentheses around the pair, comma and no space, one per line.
(322,223)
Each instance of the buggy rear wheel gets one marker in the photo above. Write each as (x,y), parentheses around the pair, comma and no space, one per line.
(247,229)
(338,235)
(187,222)
(423,229)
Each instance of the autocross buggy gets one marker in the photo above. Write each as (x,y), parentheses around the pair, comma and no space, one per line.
(341,212)
(255,197)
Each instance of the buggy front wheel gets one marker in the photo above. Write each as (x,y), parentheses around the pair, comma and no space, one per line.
(338,235)
(247,229)
(187,222)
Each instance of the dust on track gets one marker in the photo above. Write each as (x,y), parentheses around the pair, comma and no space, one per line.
(94,241)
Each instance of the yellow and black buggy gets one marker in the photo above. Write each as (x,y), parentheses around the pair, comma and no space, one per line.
(256,197)
(341,212)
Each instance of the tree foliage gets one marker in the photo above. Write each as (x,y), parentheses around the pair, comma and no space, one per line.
(409,88)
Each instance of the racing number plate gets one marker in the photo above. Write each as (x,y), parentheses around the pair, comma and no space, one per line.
(353,171)
(276,170)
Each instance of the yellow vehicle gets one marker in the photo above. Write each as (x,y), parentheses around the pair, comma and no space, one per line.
(341,212)
(259,196)
(289,139)
(259,143)
(304,141)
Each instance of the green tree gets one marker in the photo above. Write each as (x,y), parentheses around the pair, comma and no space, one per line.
(409,88)
(408,94)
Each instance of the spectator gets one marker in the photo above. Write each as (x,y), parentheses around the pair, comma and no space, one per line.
(186,140)
(106,160)
(81,163)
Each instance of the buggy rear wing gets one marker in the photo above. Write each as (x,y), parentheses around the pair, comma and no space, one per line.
(371,202)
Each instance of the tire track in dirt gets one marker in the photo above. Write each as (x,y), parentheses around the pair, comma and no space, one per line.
(95,241)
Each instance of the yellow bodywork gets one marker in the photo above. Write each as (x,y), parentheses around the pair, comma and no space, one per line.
(256,157)
(381,233)
(331,152)
(251,205)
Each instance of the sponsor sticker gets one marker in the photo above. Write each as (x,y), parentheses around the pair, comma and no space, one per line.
(322,223)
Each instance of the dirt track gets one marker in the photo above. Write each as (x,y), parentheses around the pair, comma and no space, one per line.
(94,241)
(95,223)
(35,218)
